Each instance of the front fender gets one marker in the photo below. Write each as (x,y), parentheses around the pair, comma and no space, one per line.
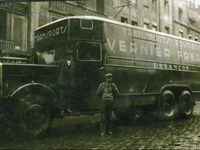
(31,85)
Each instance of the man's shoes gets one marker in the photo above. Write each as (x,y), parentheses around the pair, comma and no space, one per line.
(102,133)
(110,132)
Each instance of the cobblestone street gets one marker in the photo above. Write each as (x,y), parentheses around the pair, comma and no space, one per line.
(83,133)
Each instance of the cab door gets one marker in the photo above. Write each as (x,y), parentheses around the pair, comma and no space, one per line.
(88,75)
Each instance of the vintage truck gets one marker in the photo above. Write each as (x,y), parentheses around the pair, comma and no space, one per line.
(154,72)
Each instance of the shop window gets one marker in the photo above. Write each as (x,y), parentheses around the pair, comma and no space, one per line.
(19,32)
(3,25)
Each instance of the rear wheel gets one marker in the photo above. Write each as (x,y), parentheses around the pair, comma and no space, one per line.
(168,105)
(186,104)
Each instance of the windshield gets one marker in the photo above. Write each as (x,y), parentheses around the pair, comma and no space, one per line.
(46,57)
(89,51)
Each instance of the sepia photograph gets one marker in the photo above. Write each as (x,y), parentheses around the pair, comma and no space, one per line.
(99,74)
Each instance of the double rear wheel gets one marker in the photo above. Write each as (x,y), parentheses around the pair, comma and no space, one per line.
(172,107)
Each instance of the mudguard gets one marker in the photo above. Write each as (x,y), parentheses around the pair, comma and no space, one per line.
(33,84)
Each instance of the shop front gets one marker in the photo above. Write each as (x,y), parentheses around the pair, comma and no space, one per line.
(13,28)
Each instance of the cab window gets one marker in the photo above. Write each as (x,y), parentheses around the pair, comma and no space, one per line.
(89,51)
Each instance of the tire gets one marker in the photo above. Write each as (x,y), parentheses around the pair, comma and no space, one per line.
(167,105)
(186,104)
(33,111)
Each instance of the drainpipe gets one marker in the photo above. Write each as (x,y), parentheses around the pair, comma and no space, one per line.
(159,15)
(188,25)
(173,23)
(29,28)
(29,32)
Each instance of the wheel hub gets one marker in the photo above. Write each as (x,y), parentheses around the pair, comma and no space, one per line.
(35,118)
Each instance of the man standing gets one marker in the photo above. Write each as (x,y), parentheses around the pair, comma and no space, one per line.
(107,92)
(65,86)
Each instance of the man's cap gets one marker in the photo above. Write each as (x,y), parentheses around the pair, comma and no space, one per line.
(108,75)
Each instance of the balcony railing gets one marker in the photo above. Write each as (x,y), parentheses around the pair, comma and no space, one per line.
(6,46)
(13,60)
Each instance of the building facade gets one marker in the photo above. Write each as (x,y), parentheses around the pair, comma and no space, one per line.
(177,17)
(194,19)
(19,20)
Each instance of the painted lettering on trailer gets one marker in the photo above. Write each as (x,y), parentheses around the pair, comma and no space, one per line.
(163,66)
(51,33)
(159,50)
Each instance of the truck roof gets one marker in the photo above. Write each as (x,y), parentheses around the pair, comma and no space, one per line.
(118,23)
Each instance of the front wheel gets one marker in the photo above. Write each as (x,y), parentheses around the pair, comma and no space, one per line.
(33,108)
